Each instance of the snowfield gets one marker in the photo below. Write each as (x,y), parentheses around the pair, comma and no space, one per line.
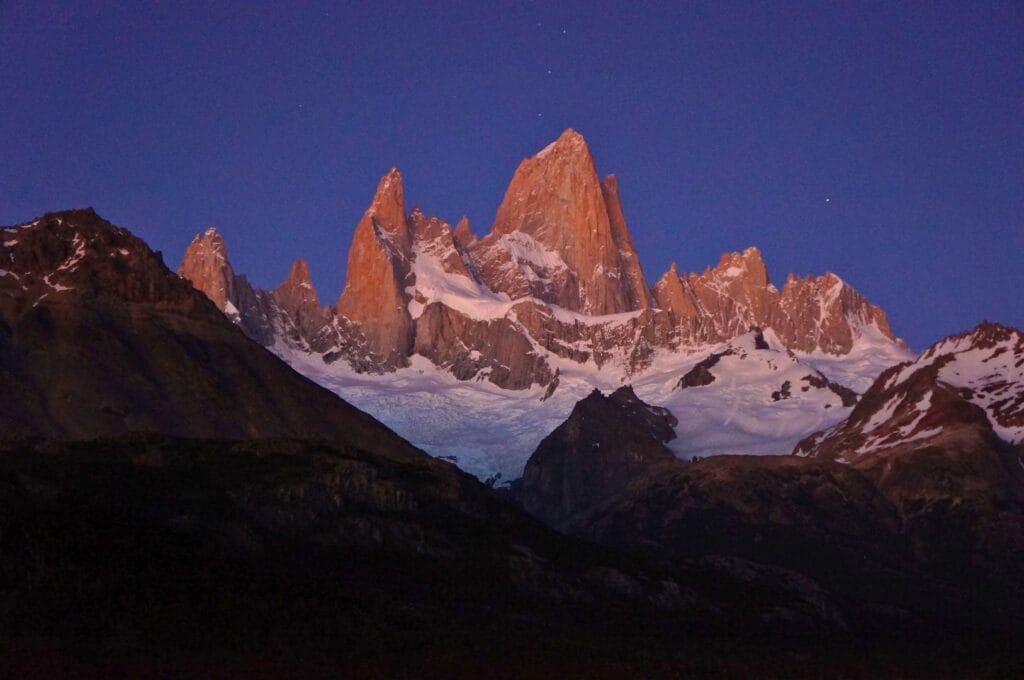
(491,432)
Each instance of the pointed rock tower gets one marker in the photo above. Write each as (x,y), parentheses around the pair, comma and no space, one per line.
(207,268)
(205,265)
(374,297)
(560,236)
(634,284)
(673,294)
(734,295)
(297,297)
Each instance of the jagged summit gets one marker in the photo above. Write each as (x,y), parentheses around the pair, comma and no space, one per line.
(387,211)
(75,258)
(463,233)
(378,264)
(556,278)
(560,236)
(810,314)
(206,265)
(568,143)
(297,298)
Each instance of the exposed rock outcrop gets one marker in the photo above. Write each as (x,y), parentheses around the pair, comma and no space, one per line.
(811,314)
(206,266)
(560,236)
(605,443)
(734,295)
(496,349)
(378,272)
(824,313)
(297,298)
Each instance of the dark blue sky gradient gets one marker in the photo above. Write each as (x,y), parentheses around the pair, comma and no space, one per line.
(727,124)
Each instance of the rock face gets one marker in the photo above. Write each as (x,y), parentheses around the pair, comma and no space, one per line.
(557,277)
(605,443)
(297,298)
(206,266)
(824,313)
(814,313)
(496,349)
(560,236)
(378,270)
(734,295)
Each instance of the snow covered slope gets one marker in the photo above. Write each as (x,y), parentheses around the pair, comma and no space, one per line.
(968,383)
(986,365)
(761,399)
(490,431)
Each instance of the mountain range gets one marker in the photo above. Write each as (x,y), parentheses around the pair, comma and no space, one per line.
(189,476)
(550,303)
(556,278)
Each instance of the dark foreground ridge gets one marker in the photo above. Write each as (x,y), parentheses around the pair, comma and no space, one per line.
(924,535)
(158,556)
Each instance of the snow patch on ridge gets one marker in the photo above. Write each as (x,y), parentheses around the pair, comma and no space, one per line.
(736,414)
(523,248)
(477,301)
(872,353)
(990,377)
(457,291)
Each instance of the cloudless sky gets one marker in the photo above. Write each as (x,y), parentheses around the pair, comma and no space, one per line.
(884,142)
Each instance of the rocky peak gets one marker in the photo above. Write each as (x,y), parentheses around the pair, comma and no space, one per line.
(374,297)
(206,266)
(298,278)
(433,238)
(605,443)
(131,347)
(561,237)
(463,234)
(734,295)
(297,297)
(387,210)
(75,257)
(960,394)
(825,313)
(672,293)
(746,269)
(635,284)
(985,336)
(423,228)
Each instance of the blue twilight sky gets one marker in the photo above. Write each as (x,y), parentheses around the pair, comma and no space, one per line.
(884,142)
